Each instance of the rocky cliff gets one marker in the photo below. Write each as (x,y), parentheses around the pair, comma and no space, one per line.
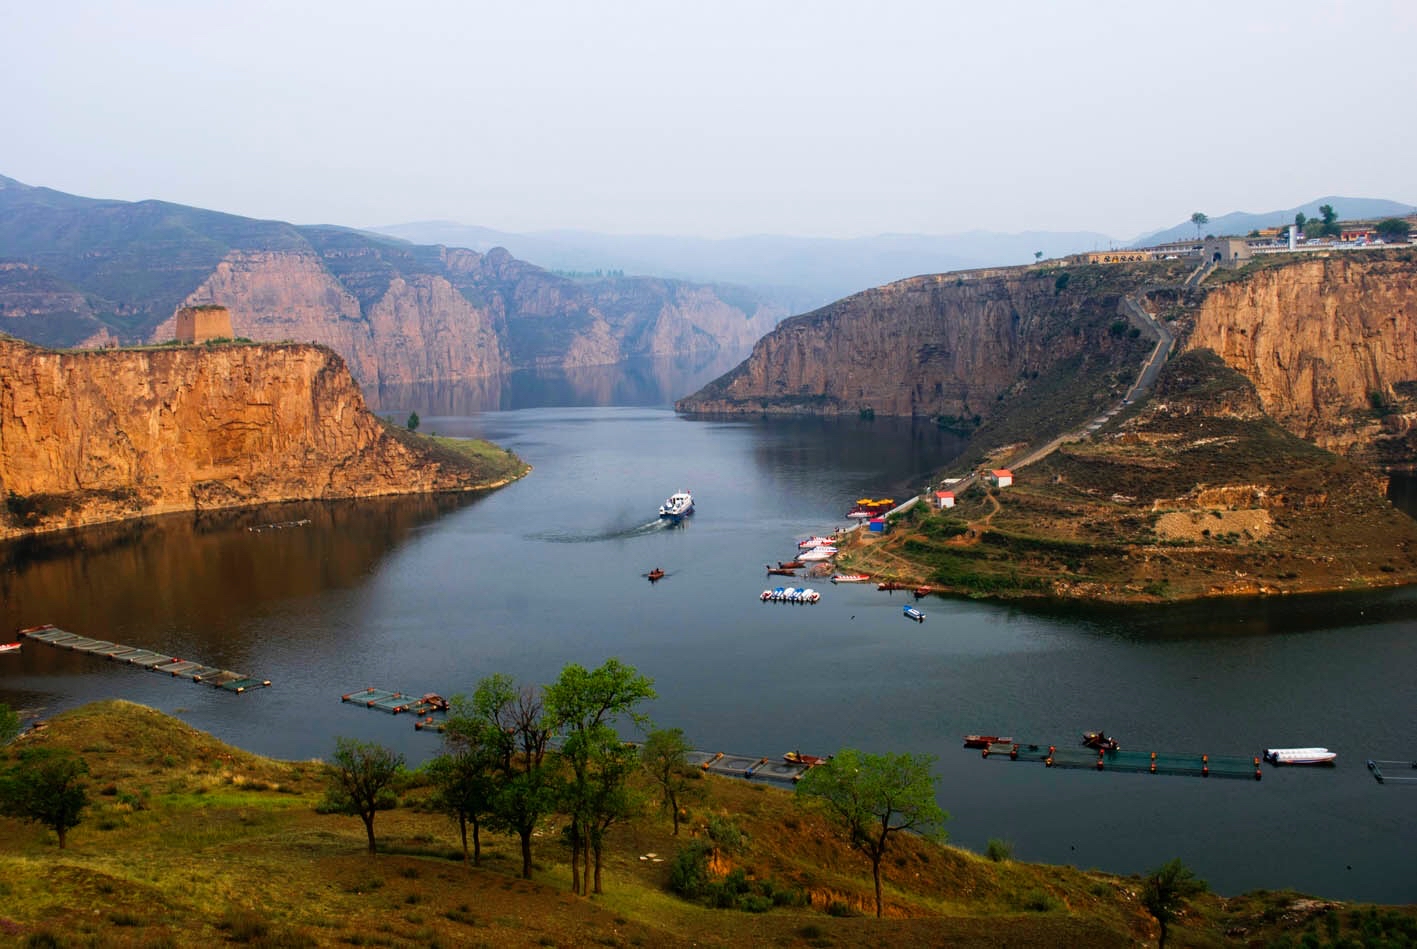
(955,346)
(75,271)
(1330,345)
(87,437)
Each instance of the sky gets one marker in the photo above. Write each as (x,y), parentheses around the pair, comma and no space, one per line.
(715,119)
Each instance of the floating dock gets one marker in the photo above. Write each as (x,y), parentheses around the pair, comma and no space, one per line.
(145,658)
(746,766)
(395,702)
(1133,762)
(1392,772)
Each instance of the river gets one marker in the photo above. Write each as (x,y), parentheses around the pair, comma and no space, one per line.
(431,594)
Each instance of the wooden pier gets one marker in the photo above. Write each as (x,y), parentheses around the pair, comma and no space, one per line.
(146,659)
(1133,762)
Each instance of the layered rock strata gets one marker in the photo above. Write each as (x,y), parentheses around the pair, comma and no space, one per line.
(87,437)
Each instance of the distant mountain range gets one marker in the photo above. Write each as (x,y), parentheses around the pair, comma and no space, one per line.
(803,273)
(797,273)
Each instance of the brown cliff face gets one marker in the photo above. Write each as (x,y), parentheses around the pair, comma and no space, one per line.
(1330,345)
(101,436)
(941,345)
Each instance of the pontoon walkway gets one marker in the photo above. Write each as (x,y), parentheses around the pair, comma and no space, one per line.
(146,658)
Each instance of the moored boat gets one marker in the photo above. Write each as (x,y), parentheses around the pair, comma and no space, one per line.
(782,571)
(811,542)
(1299,755)
(790,595)
(811,761)
(9,647)
(1100,741)
(984,741)
(817,554)
(790,564)
(850,578)
(679,505)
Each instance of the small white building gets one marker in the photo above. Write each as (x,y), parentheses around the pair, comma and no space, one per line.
(944,499)
(1001,477)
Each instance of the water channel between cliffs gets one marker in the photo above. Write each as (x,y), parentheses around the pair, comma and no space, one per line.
(432,594)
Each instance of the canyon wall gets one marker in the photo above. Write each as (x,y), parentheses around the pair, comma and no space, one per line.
(87,437)
(943,345)
(1330,345)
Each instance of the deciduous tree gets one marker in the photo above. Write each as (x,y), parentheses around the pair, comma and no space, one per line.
(875,797)
(584,705)
(463,778)
(360,781)
(1393,230)
(45,787)
(1200,220)
(517,733)
(665,756)
(1165,891)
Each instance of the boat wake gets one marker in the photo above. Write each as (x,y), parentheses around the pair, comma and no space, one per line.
(613,533)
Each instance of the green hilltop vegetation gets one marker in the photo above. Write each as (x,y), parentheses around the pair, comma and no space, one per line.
(188,841)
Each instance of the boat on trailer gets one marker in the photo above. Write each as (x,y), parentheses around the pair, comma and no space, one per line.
(1299,755)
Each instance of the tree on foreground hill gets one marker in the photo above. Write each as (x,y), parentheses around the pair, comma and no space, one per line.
(361,778)
(517,734)
(1200,220)
(873,798)
(665,755)
(45,787)
(583,705)
(1165,891)
(462,780)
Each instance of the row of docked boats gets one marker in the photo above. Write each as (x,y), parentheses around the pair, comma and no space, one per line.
(1102,742)
(790,595)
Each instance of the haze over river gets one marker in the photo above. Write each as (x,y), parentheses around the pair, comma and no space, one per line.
(431,594)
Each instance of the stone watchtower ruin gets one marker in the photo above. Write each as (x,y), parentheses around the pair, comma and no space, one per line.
(197,324)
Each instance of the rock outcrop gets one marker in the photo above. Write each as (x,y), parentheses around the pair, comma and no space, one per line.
(87,437)
(950,346)
(1330,345)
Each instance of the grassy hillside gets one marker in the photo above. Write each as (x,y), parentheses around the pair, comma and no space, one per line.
(1194,493)
(192,842)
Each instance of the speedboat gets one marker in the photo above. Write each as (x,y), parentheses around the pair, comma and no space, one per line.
(850,578)
(817,554)
(679,505)
(815,542)
(1299,755)
(911,612)
(9,647)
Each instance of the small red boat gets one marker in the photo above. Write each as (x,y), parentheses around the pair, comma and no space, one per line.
(791,564)
(984,741)
(782,571)
(796,757)
(655,574)
(9,647)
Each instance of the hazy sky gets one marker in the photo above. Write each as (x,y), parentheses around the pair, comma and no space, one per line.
(717,118)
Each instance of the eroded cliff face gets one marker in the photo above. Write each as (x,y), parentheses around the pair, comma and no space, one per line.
(1330,345)
(465,315)
(929,346)
(87,437)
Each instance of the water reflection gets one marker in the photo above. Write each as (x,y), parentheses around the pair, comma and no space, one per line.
(145,583)
(641,382)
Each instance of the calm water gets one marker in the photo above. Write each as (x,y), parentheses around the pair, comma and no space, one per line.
(432,594)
